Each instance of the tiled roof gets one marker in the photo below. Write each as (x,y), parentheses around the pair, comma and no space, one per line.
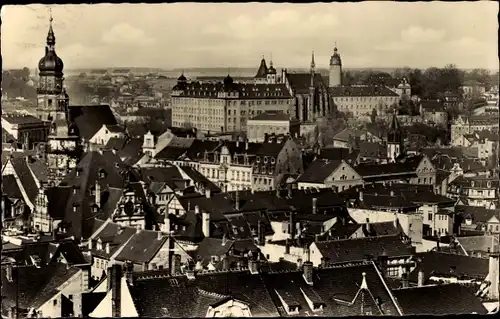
(479,214)
(142,247)
(116,143)
(90,118)
(39,168)
(319,170)
(338,289)
(171,153)
(84,177)
(408,166)
(115,128)
(7,137)
(245,90)
(21,119)
(445,264)
(26,178)
(372,90)
(271,116)
(452,299)
(180,297)
(199,178)
(57,198)
(483,243)
(350,250)
(372,150)
(212,247)
(112,233)
(31,287)
(132,151)
(338,153)
(300,82)
(10,187)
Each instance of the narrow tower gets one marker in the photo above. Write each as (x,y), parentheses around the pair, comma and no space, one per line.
(271,73)
(311,113)
(63,148)
(335,69)
(394,139)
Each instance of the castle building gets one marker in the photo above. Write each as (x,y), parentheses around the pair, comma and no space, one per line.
(63,148)
(226,106)
(335,76)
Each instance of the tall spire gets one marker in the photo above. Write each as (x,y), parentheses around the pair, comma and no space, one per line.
(51,38)
(313,64)
(271,59)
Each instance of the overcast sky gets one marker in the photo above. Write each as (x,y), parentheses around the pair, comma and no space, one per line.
(181,35)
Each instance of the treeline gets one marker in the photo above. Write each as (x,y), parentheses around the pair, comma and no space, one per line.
(430,83)
(15,84)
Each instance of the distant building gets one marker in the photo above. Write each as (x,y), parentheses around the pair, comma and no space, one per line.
(473,87)
(433,112)
(472,124)
(226,106)
(475,191)
(26,130)
(271,123)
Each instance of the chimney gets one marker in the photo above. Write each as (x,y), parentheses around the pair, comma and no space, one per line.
(290,193)
(8,273)
(225,263)
(360,196)
(129,270)
(253,266)
(89,244)
(316,238)
(246,145)
(421,277)
(287,246)
(237,142)
(176,265)
(160,235)
(206,223)
(260,233)
(208,193)
(323,262)
(396,220)
(114,283)
(308,272)
(292,226)
(404,280)
(97,193)
(314,205)
(197,210)
(493,292)
(237,200)
(108,249)
(368,226)
(299,264)
(392,193)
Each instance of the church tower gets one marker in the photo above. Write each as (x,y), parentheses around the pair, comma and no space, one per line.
(63,148)
(335,69)
(271,73)
(312,92)
(394,139)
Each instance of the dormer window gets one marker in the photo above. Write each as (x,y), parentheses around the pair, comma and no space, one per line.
(489,184)
(102,173)
(273,160)
(257,159)
(265,159)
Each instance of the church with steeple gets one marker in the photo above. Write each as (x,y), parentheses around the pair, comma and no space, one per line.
(63,148)
(394,140)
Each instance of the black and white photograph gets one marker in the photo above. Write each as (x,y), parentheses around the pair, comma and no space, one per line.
(258,159)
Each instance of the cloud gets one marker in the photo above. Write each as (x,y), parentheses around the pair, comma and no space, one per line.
(413,37)
(286,23)
(415,34)
(124,33)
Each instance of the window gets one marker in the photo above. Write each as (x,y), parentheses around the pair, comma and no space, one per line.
(70,297)
(429,216)
(54,302)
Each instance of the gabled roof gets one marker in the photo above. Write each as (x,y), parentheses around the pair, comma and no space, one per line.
(199,178)
(21,119)
(39,168)
(479,214)
(338,153)
(452,299)
(177,296)
(31,287)
(90,118)
(350,250)
(439,264)
(10,187)
(343,291)
(300,82)
(113,234)
(116,143)
(142,247)
(26,178)
(484,243)
(318,171)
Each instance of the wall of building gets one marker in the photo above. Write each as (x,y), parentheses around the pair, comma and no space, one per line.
(256,130)
(364,105)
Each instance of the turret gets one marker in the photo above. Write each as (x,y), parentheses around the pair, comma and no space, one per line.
(335,78)
(394,139)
